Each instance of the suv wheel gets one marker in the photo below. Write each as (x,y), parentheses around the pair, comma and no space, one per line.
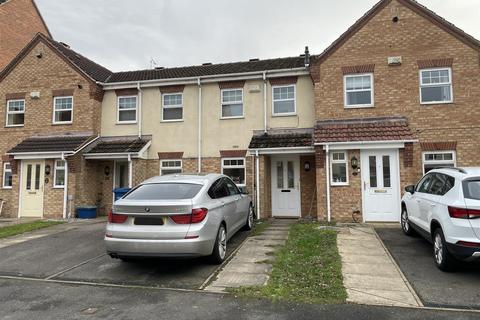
(443,259)
(407,229)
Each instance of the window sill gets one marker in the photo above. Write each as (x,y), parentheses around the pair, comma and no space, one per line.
(126,122)
(61,123)
(232,118)
(436,103)
(7,188)
(58,187)
(292,114)
(169,121)
(339,184)
(15,126)
(359,106)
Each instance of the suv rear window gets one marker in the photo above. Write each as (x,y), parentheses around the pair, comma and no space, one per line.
(164,191)
(471,189)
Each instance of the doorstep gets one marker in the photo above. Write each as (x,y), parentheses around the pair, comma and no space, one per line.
(370,274)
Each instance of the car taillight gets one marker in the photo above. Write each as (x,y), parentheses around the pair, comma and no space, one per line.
(463,213)
(468,244)
(197,215)
(116,218)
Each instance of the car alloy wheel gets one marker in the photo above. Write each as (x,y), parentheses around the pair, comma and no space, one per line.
(250,217)
(438,249)
(222,243)
(405,225)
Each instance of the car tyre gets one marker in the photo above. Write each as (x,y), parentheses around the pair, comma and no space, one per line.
(406,227)
(220,247)
(444,260)
(250,218)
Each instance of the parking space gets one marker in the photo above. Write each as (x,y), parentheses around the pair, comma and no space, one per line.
(79,255)
(435,288)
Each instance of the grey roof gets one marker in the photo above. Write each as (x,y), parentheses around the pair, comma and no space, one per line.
(282,138)
(117,145)
(59,143)
(209,69)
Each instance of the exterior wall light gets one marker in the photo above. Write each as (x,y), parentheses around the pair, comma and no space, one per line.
(47,169)
(306,166)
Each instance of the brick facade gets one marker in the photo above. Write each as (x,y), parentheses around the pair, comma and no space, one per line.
(420,42)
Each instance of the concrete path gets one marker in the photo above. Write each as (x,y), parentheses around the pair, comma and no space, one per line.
(40,233)
(370,275)
(251,265)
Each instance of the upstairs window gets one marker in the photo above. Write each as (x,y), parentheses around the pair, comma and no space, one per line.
(127,109)
(232,103)
(358,90)
(15,113)
(7,175)
(284,100)
(438,159)
(172,106)
(63,110)
(436,86)
(170,167)
(235,169)
(338,168)
(59,174)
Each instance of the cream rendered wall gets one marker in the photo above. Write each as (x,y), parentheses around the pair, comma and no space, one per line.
(217,134)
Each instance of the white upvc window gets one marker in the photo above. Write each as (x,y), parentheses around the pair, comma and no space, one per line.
(358,90)
(15,113)
(437,159)
(172,107)
(436,86)
(283,98)
(59,174)
(338,168)
(7,175)
(63,110)
(235,169)
(127,109)
(171,166)
(232,103)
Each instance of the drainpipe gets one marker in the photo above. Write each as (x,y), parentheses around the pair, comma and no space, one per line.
(199,125)
(327,171)
(130,173)
(257,176)
(65,190)
(139,110)
(264,101)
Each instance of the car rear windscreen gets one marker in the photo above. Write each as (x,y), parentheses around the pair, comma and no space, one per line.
(164,191)
(471,189)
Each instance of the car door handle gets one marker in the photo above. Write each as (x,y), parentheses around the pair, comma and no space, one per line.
(223,204)
(237,198)
(433,205)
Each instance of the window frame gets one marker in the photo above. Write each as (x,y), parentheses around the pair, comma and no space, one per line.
(222,103)
(4,186)
(372,91)
(421,85)
(55,169)
(345,161)
(285,114)
(118,110)
(453,161)
(170,168)
(244,167)
(177,106)
(63,110)
(7,113)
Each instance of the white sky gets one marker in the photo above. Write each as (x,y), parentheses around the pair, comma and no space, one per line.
(127,34)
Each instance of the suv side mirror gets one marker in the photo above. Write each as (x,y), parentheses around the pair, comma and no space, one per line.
(243,190)
(410,189)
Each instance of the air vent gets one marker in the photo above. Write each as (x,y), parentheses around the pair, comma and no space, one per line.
(65,45)
(207,64)
(159,68)
(254,59)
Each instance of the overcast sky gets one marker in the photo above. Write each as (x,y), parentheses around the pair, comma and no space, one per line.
(127,34)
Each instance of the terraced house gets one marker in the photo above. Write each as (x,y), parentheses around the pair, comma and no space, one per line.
(333,136)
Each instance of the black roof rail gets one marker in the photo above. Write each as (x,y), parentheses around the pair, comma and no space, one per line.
(453,168)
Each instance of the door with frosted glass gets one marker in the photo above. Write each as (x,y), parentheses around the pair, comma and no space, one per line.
(286,186)
(380,185)
(32,188)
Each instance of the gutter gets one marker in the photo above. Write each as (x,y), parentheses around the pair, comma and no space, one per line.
(257,177)
(65,190)
(199,166)
(327,175)
(363,142)
(139,110)
(264,102)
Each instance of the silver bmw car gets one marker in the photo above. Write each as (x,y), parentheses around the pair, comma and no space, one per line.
(178,216)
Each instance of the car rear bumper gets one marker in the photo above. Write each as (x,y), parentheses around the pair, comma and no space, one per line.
(464,252)
(158,248)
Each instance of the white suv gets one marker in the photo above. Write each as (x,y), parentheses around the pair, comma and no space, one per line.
(444,207)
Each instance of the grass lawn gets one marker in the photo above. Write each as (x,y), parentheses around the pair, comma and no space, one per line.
(307,269)
(15,229)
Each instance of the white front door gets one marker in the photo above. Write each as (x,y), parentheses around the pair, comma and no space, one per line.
(380,185)
(286,186)
(32,188)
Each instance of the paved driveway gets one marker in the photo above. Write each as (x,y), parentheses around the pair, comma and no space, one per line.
(434,287)
(79,255)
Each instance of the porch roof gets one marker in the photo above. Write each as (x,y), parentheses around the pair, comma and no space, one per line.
(68,143)
(117,145)
(362,130)
(282,138)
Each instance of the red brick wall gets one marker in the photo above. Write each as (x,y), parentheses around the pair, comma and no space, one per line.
(19,22)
